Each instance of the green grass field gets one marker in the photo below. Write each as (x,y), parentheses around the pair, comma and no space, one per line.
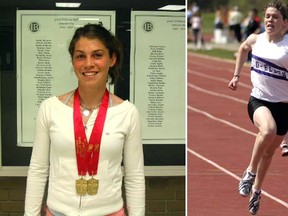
(208,23)
(220,53)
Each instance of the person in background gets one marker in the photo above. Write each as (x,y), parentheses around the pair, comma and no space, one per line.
(196,22)
(268,103)
(189,29)
(192,9)
(83,136)
(219,26)
(219,19)
(251,25)
(234,21)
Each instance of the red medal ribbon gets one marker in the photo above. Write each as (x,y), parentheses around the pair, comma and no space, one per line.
(87,153)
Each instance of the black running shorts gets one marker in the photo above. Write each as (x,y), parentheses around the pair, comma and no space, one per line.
(279,112)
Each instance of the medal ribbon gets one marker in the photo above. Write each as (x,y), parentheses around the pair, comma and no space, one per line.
(87,153)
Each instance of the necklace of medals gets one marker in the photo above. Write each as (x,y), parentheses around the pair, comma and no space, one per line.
(86,111)
(88,151)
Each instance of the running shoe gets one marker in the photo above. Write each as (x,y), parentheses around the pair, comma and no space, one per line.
(284,150)
(246,183)
(254,202)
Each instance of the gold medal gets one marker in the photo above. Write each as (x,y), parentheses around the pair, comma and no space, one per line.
(81,187)
(92,186)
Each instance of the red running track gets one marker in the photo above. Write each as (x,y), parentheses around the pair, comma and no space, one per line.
(220,142)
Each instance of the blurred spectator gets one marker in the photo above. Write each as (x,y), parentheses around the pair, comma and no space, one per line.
(252,24)
(234,20)
(219,19)
(220,25)
(196,22)
(192,9)
(189,29)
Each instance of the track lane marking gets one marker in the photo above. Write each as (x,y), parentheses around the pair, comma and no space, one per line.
(217,78)
(234,176)
(221,120)
(216,94)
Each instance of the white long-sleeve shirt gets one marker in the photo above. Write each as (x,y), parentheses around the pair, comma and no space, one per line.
(54,155)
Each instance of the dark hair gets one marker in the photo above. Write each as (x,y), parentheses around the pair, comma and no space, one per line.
(97,31)
(280,6)
(255,11)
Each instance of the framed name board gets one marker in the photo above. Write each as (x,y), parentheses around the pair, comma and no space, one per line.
(158,63)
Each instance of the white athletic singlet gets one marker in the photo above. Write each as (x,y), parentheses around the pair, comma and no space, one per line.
(269,69)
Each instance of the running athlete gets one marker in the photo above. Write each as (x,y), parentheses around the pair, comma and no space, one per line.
(268,104)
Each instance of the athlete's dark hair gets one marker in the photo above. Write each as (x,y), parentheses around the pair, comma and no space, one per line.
(279,5)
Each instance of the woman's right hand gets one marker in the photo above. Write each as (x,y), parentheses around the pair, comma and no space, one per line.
(233,83)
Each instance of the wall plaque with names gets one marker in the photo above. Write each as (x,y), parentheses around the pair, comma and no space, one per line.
(157,81)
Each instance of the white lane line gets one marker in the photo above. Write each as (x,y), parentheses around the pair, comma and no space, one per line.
(217,78)
(216,94)
(235,176)
(221,120)
(227,61)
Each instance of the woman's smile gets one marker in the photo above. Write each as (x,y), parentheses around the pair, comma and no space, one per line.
(89,73)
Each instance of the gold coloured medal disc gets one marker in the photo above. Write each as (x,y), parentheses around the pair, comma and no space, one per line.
(92,186)
(81,187)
